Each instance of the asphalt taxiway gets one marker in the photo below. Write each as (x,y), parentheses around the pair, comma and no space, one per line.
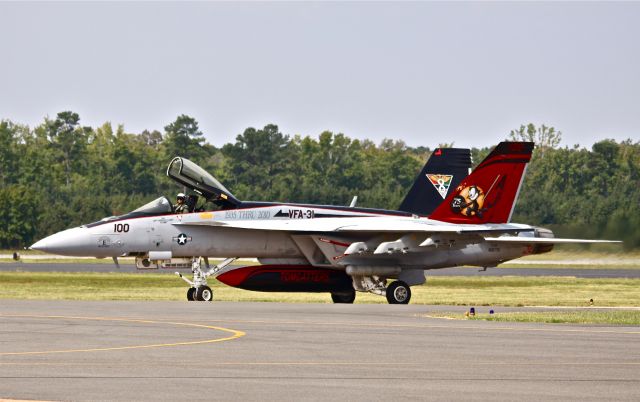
(456,271)
(65,350)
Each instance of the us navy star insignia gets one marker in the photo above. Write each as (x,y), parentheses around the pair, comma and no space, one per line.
(182,239)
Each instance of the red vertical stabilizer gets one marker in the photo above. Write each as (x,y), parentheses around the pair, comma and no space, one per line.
(489,193)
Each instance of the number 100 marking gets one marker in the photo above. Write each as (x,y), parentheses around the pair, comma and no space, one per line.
(121,227)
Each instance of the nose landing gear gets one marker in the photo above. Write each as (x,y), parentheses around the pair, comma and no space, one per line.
(199,290)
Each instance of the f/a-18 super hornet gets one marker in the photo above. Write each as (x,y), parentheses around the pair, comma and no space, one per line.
(313,248)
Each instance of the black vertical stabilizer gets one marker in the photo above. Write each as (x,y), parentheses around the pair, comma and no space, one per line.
(442,173)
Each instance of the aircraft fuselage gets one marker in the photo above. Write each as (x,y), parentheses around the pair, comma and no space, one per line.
(197,234)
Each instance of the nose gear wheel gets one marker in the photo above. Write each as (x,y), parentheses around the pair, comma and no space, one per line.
(199,290)
(204,293)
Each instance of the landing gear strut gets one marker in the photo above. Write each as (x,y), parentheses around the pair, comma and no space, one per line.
(199,290)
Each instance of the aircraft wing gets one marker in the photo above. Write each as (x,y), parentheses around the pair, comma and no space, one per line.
(363,224)
(543,240)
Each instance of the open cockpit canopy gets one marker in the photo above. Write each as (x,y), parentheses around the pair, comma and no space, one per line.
(193,177)
(199,180)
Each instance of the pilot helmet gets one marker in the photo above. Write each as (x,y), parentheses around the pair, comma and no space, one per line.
(180,195)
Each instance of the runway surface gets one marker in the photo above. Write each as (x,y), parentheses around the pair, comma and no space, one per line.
(529,271)
(65,350)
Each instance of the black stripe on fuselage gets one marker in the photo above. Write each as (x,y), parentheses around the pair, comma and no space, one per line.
(259,204)
(373,211)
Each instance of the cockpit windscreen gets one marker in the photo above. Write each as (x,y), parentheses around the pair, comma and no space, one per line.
(159,205)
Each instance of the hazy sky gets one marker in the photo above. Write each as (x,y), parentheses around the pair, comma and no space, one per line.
(422,72)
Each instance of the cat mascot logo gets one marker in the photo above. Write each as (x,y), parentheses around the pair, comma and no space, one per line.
(469,202)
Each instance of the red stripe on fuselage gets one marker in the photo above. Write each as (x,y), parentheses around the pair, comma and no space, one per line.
(288,273)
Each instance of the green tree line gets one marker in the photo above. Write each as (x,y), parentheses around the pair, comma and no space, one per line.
(61,174)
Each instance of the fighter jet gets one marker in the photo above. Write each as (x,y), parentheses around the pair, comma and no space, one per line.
(333,249)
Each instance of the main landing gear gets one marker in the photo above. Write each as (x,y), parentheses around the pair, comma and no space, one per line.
(347,297)
(398,292)
(199,290)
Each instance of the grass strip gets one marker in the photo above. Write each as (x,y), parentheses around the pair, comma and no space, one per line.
(613,257)
(594,265)
(466,291)
(612,317)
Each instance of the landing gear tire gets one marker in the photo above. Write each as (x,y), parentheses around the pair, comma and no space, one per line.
(346,298)
(191,294)
(398,293)
(204,293)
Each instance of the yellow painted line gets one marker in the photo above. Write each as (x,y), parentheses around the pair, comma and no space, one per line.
(428,326)
(234,334)
(374,363)
(23,400)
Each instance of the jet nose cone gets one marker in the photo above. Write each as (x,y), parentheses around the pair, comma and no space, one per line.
(72,242)
(40,245)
